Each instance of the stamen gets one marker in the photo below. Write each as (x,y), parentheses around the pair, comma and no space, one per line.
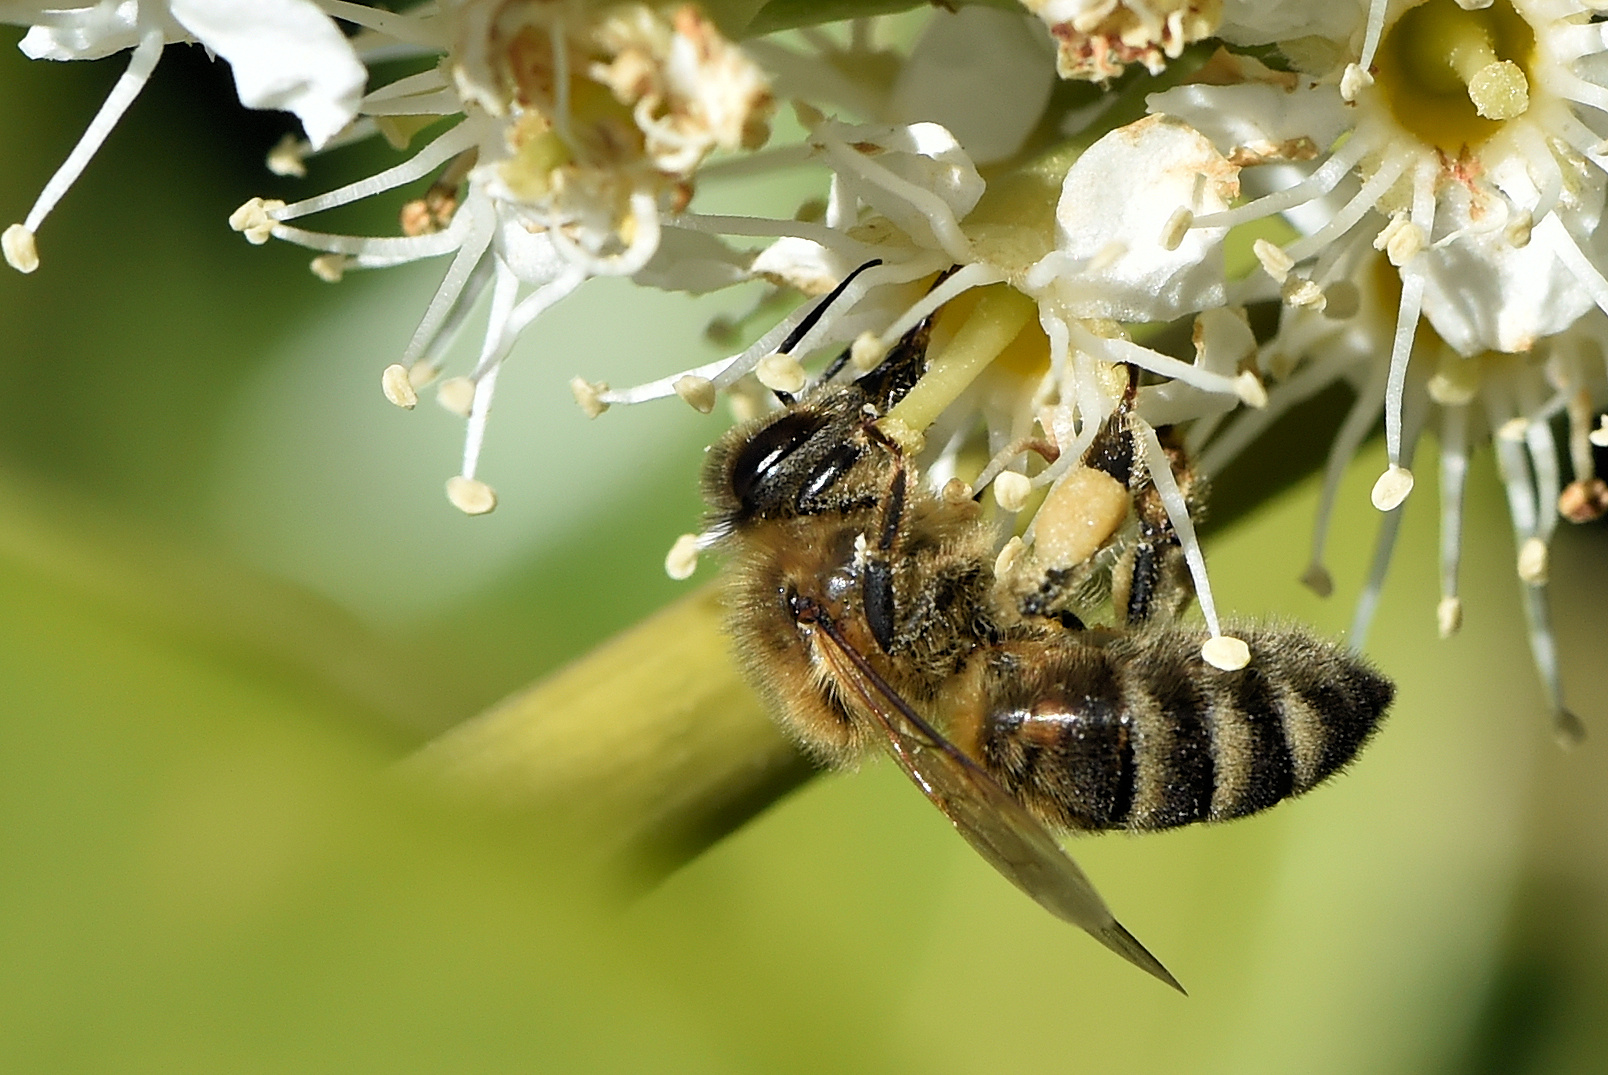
(1011,490)
(1453,479)
(398,387)
(1320,182)
(1389,529)
(699,392)
(589,395)
(1159,467)
(940,218)
(18,245)
(1360,203)
(456,394)
(781,373)
(470,496)
(1346,442)
(682,560)
(421,164)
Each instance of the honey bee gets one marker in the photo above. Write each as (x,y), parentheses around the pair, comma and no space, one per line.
(867,609)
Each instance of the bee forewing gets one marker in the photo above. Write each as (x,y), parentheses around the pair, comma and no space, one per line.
(1000,829)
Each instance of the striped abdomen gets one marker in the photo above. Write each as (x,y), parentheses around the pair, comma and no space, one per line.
(1140,733)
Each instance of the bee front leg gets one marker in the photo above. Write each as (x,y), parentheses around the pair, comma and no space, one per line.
(877,571)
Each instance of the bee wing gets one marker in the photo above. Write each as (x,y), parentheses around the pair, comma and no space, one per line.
(996,825)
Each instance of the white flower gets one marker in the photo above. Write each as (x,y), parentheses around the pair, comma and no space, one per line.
(1098,39)
(284,54)
(1458,139)
(582,131)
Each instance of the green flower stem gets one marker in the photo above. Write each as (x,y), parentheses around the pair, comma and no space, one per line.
(640,754)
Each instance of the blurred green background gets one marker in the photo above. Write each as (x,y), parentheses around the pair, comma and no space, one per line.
(232,594)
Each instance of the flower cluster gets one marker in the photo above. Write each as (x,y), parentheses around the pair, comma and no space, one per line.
(1421,183)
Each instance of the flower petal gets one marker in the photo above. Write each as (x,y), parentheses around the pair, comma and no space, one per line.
(285,54)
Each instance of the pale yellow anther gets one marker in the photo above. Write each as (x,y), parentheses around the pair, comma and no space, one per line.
(398,386)
(866,351)
(1353,82)
(288,158)
(456,394)
(1599,436)
(1500,91)
(422,373)
(21,252)
(1011,490)
(1317,579)
(1248,386)
(780,373)
(699,392)
(255,219)
(329,267)
(1392,488)
(1225,652)
(470,496)
(682,559)
(956,491)
(1449,616)
(1456,380)
(1513,429)
(1009,558)
(1400,240)
(1533,561)
(587,394)
(1275,262)
(1303,294)
(1177,226)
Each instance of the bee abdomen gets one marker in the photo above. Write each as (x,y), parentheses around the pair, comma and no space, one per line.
(1142,734)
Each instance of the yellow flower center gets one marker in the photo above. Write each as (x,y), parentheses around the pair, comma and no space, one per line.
(1453,77)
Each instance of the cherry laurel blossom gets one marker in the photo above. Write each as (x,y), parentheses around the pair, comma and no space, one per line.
(1418,189)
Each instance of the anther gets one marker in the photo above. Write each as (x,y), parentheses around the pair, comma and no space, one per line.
(398,386)
(329,267)
(1583,500)
(1392,488)
(1248,386)
(289,157)
(1275,262)
(470,496)
(1400,240)
(780,373)
(682,559)
(1317,579)
(1519,230)
(866,351)
(1513,429)
(255,219)
(1177,226)
(1225,652)
(587,394)
(21,252)
(1301,293)
(1353,82)
(699,392)
(1533,561)
(1011,490)
(1008,559)
(1449,616)
(456,394)
(1599,436)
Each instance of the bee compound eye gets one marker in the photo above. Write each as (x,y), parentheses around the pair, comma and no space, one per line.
(767,450)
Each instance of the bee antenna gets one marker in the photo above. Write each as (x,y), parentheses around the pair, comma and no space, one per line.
(821,307)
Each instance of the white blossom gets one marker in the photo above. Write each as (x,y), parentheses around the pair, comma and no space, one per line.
(284,54)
